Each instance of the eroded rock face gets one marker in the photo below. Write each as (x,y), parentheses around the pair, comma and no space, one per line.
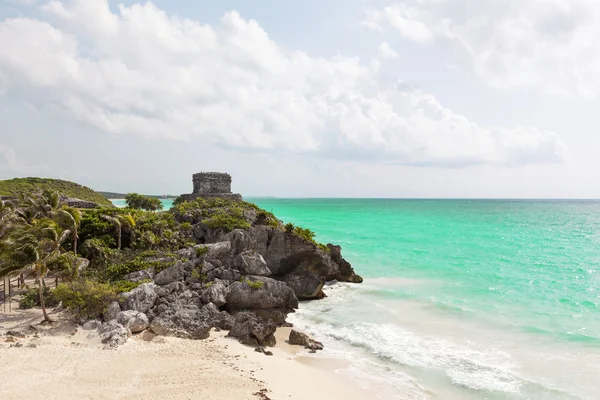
(246,280)
(172,274)
(215,293)
(253,331)
(259,292)
(134,320)
(250,262)
(141,298)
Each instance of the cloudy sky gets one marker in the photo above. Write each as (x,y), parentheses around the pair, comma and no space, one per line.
(335,98)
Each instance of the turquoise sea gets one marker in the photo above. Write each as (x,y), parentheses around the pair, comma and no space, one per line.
(462,299)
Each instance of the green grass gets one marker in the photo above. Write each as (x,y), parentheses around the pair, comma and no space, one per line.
(14,187)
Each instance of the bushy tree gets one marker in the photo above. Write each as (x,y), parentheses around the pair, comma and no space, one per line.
(141,202)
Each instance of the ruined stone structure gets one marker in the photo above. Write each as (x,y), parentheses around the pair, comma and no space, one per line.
(211,185)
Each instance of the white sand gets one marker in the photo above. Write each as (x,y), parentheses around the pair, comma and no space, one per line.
(68,365)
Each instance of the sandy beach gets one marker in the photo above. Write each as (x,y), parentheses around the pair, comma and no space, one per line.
(66,362)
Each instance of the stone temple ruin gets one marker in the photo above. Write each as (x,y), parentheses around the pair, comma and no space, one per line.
(210,185)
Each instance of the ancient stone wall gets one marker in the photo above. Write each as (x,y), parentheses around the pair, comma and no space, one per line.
(211,183)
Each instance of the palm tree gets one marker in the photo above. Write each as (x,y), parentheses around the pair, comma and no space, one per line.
(34,250)
(9,217)
(120,222)
(69,218)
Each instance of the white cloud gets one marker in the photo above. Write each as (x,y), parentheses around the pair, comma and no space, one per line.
(551,45)
(386,51)
(142,72)
(11,164)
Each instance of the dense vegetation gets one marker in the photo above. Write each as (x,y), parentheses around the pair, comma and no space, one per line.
(141,202)
(93,251)
(21,186)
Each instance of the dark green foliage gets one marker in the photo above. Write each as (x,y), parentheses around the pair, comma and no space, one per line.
(267,218)
(97,252)
(289,227)
(196,274)
(254,285)
(227,219)
(127,286)
(21,186)
(179,200)
(305,234)
(324,247)
(87,299)
(140,202)
(160,231)
(117,271)
(95,225)
(201,250)
(31,298)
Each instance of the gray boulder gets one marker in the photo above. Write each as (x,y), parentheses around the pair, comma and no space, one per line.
(175,273)
(111,312)
(141,298)
(140,275)
(134,320)
(301,339)
(184,320)
(113,334)
(216,293)
(259,292)
(219,251)
(251,262)
(253,331)
(226,274)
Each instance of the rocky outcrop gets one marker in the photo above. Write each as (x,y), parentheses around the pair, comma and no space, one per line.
(113,334)
(135,321)
(141,298)
(253,331)
(251,262)
(301,339)
(246,281)
(259,292)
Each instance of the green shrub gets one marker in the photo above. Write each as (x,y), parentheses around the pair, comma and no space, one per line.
(324,247)
(227,219)
(31,298)
(116,272)
(196,274)
(140,202)
(305,234)
(289,227)
(86,299)
(254,285)
(201,250)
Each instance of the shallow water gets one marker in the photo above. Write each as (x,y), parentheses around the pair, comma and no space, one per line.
(481,299)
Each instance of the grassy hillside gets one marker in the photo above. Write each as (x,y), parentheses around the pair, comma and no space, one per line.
(13,187)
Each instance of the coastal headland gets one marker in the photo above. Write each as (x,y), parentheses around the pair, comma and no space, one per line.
(187,303)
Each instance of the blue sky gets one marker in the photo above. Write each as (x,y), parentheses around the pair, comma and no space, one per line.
(354,98)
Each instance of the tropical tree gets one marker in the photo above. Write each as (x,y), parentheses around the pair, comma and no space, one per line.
(9,217)
(141,202)
(120,222)
(69,218)
(38,205)
(33,250)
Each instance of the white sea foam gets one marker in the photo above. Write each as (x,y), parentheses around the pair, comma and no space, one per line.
(398,362)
